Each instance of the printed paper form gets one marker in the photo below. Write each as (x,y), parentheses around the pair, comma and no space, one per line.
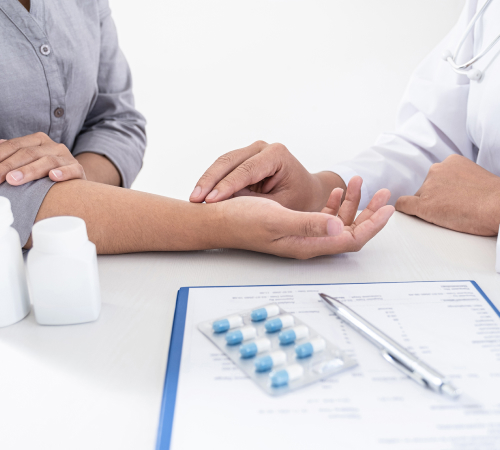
(373,406)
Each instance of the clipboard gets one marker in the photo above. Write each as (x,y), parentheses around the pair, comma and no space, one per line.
(166,421)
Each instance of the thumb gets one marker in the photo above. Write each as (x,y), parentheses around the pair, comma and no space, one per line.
(408,204)
(310,224)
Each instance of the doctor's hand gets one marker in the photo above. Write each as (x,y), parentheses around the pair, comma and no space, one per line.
(36,156)
(263,225)
(269,171)
(457,194)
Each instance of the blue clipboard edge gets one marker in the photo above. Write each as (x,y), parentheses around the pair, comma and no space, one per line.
(173,368)
(177,339)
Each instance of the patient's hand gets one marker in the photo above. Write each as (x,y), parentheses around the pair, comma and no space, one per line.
(457,194)
(36,156)
(263,225)
(268,171)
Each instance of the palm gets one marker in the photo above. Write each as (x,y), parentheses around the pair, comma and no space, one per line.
(357,230)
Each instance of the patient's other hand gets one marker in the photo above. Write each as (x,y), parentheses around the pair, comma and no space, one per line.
(36,156)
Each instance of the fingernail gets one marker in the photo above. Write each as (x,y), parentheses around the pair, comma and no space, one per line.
(196,192)
(16,175)
(57,173)
(212,195)
(334,227)
(2,141)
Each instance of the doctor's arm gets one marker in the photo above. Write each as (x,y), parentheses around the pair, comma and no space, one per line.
(430,127)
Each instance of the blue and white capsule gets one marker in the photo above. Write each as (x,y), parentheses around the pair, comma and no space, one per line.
(253,348)
(265,363)
(243,334)
(313,346)
(219,326)
(279,323)
(284,376)
(264,313)
(293,334)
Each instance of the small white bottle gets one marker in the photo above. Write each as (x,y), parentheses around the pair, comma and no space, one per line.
(62,273)
(14,298)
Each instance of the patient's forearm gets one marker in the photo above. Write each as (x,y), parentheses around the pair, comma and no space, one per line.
(123,221)
(100,169)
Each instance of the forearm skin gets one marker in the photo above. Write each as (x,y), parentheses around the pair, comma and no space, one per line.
(126,221)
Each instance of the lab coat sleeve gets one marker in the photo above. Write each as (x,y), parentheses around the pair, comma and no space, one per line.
(114,128)
(431,124)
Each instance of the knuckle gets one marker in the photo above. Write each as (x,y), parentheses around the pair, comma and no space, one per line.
(6,166)
(245,169)
(434,168)
(307,228)
(205,177)
(32,153)
(11,146)
(51,160)
(29,170)
(61,149)
(278,148)
(225,159)
(225,184)
(260,143)
(40,135)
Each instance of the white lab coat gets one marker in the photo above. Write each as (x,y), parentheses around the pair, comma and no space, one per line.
(442,113)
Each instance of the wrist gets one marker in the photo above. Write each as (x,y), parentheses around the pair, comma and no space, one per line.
(206,229)
(326,182)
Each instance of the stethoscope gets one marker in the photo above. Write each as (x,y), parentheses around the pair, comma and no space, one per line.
(465,68)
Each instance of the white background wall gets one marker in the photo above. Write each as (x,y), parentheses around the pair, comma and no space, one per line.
(324,77)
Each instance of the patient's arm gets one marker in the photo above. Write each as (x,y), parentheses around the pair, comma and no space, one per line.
(122,221)
(100,169)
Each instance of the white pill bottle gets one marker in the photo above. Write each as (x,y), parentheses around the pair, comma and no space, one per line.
(14,298)
(62,273)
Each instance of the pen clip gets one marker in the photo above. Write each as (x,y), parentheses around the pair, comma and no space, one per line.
(403,368)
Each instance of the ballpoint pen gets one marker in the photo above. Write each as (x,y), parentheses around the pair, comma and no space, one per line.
(392,351)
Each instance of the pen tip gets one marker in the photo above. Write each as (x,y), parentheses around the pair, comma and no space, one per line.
(450,390)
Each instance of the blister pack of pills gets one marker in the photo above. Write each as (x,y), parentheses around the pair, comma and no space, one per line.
(275,349)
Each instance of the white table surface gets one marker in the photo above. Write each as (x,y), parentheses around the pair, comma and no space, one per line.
(99,385)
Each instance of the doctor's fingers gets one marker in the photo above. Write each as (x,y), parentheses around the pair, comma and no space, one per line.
(41,168)
(350,205)
(408,204)
(379,200)
(224,165)
(257,168)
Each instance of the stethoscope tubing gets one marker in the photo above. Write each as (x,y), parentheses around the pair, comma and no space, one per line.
(451,58)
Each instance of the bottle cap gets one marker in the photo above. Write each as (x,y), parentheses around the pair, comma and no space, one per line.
(6,216)
(59,234)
